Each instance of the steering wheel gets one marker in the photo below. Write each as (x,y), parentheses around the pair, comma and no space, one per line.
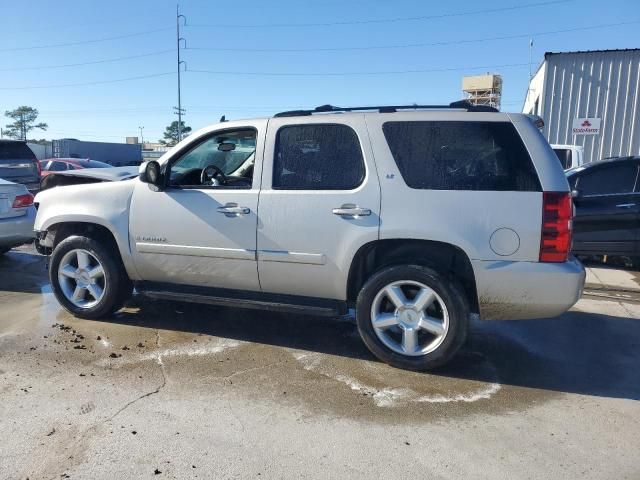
(212,175)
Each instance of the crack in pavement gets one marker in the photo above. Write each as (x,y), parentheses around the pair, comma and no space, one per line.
(80,440)
(148,394)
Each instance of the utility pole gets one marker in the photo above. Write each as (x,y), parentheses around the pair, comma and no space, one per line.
(141,136)
(179,110)
(530,56)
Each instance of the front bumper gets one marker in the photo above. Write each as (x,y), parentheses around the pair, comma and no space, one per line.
(524,290)
(15,231)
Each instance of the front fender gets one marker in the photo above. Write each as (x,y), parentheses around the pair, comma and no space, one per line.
(105,204)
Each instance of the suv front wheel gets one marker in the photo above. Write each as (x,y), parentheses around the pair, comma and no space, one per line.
(88,280)
(412,317)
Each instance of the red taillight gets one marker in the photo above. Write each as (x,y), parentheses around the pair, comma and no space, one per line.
(557,212)
(22,201)
(39,167)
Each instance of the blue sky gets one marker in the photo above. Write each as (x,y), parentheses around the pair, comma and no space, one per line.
(111,111)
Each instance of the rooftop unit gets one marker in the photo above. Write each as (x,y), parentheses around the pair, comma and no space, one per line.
(483,89)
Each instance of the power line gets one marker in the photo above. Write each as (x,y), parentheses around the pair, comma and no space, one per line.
(415,45)
(94,62)
(384,20)
(99,82)
(343,74)
(84,42)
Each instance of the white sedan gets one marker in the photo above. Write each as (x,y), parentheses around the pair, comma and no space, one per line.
(17,214)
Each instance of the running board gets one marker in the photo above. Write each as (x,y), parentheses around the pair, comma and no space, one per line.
(248,300)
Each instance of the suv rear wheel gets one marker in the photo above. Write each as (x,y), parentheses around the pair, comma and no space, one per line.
(412,317)
(86,278)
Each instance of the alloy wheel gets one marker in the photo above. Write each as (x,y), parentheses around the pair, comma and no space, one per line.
(410,318)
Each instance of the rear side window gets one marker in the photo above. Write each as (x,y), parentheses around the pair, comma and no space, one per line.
(461,156)
(608,180)
(317,157)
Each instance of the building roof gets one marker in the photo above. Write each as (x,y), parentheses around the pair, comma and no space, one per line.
(548,54)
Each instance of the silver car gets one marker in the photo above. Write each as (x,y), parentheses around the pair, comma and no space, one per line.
(416,216)
(17,215)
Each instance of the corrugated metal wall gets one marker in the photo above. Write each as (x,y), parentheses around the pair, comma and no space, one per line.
(594,84)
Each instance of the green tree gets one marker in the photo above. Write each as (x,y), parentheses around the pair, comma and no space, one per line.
(24,120)
(170,136)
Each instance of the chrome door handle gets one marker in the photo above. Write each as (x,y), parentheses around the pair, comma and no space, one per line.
(233,210)
(626,205)
(350,210)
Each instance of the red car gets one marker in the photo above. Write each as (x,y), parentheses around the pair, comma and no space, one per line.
(51,165)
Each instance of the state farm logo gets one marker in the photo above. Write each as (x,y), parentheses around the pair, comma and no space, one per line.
(586,126)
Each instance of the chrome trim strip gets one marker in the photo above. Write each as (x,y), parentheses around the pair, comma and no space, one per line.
(193,251)
(291,257)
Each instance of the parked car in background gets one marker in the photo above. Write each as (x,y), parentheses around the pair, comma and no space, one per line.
(606,195)
(49,165)
(17,214)
(19,164)
(292,213)
(570,156)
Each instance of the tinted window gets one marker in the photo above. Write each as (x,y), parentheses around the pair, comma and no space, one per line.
(461,156)
(15,150)
(608,179)
(17,161)
(317,157)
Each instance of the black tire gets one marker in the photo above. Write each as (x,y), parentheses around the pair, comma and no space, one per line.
(117,288)
(449,291)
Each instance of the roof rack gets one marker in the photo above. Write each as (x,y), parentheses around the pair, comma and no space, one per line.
(462,105)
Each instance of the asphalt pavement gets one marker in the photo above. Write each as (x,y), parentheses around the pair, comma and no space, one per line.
(170,390)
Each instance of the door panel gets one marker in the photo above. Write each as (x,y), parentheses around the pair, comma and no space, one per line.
(307,237)
(607,210)
(202,236)
(606,224)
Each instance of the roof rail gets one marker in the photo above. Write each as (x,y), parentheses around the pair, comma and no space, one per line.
(462,104)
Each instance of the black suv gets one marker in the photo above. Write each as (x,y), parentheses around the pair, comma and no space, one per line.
(607,200)
(18,164)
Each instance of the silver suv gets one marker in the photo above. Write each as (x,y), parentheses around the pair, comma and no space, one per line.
(416,216)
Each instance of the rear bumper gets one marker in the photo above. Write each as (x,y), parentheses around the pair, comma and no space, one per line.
(17,230)
(524,290)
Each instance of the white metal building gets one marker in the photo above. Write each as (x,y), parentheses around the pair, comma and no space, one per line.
(589,98)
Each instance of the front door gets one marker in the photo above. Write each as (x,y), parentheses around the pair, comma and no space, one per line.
(320,201)
(607,209)
(201,229)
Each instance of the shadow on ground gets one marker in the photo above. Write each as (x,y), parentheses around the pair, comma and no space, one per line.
(585,353)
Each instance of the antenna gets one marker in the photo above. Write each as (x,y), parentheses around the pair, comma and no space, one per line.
(179,110)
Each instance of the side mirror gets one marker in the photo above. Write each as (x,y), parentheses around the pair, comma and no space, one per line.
(150,172)
(575,195)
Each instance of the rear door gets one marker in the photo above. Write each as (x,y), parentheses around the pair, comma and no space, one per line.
(319,202)
(607,209)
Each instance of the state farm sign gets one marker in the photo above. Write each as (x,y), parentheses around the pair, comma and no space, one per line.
(586,126)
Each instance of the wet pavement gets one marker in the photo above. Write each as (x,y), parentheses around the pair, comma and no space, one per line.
(169,390)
